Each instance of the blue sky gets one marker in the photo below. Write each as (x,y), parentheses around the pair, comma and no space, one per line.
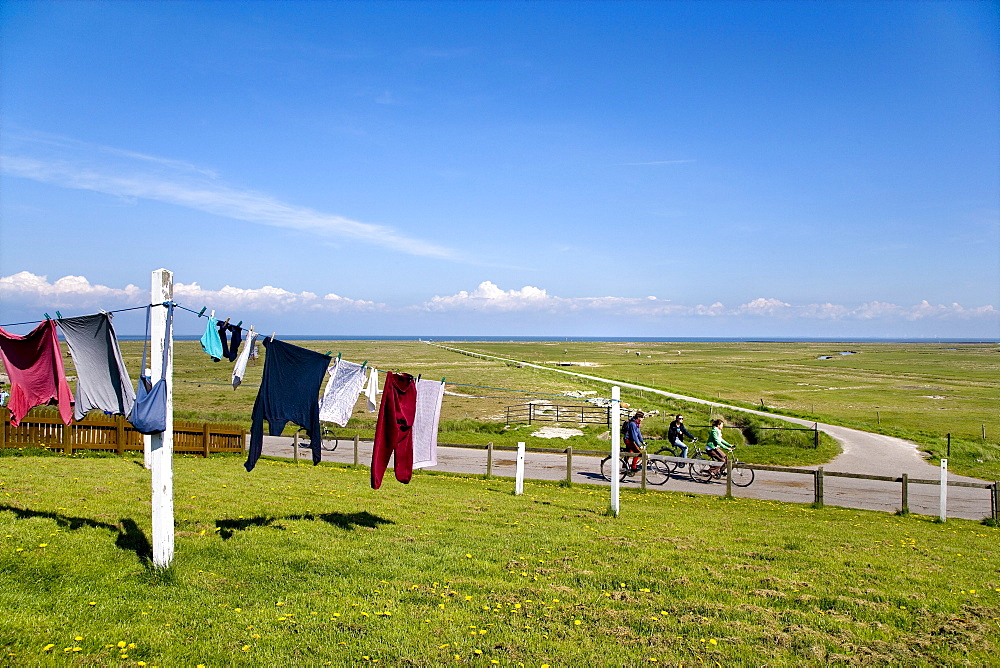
(522,168)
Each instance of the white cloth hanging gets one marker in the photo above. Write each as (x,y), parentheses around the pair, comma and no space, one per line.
(425,423)
(240,368)
(372,391)
(342,391)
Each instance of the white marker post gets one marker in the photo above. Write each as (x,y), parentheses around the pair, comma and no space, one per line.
(161,446)
(519,480)
(616,428)
(944,490)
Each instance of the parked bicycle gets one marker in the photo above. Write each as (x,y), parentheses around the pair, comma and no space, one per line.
(742,475)
(657,471)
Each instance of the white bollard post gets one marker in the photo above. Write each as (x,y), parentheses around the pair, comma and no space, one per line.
(519,481)
(944,490)
(616,428)
(161,446)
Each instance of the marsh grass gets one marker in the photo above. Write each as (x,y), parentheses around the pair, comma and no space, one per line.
(294,564)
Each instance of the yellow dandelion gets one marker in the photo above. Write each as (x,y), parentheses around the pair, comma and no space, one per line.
(577,622)
(245,648)
(78,638)
(122,643)
(48,647)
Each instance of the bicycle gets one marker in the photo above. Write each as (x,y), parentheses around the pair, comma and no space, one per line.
(742,475)
(657,471)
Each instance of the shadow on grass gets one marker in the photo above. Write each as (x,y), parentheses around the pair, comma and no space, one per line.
(346,521)
(130,537)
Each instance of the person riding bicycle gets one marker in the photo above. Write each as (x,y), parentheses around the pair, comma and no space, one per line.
(633,439)
(715,445)
(676,433)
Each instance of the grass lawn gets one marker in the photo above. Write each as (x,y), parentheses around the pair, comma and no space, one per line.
(294,564)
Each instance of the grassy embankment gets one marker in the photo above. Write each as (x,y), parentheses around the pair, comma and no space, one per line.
(917,391)
(307,565)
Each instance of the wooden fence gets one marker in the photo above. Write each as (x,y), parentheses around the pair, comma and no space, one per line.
(549,412)
(43,428)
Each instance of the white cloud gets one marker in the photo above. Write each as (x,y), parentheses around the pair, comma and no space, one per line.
(267,298)
(489,297)
(27,290)
(73,164)
(761,306)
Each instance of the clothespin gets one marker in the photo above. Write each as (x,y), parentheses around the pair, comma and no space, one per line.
(329,353)
(226,322)
(364,364)
(418,376)
(442,380)
(47,316)
(338,356)
(212,314)
(202,311)
(240,323)
(59,315)
(272,335)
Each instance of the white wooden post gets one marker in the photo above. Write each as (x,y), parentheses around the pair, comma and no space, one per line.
(944,490)
(616,428)
(519,480)
(161,446)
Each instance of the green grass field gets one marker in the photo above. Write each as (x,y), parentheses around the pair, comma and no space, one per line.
(302,565)
(919,391)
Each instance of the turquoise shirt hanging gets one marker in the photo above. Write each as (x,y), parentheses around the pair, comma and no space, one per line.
(210,341)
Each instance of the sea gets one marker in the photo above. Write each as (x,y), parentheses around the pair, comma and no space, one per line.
(622,339)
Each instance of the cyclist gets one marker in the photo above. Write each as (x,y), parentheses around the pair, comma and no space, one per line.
(715,445)
(676,433)
(633,439)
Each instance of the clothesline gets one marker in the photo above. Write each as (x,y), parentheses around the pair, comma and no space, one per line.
(201,314)
(37,322)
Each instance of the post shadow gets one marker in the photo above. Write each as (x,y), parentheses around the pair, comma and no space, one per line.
(130,537)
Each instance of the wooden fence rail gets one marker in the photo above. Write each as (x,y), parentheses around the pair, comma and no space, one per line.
(43,428)
(817,474)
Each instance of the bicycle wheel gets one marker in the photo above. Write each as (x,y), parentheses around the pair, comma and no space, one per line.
(606,468)
(742,476)
(700,472)
(657,472)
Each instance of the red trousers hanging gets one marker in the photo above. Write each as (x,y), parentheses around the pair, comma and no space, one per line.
(394,428)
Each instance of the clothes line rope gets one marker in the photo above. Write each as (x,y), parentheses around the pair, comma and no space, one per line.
(201,314)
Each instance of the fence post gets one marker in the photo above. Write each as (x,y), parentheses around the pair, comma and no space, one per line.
(819,487)
(642,483)
(4,419)
(943,515)
(295,447)
(489,459)
(906,494)
(949,446)
(569,465)
(615,413)
(816,435)
(204,440)
(729,478)
(519,480)
(531,412)
(67,435)
(357,437)
(996,500)
(120,434)
(161,446)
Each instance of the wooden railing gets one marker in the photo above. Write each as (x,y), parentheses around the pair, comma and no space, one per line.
(43,428)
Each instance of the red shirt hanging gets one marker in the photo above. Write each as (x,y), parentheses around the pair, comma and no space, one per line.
(37,377)
(394,429)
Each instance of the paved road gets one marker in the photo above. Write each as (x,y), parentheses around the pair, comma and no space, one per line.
(863,452)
